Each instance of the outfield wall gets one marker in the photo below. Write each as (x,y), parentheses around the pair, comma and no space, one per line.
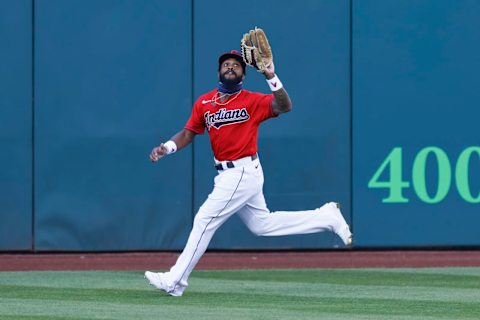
(385,103)
(416,148)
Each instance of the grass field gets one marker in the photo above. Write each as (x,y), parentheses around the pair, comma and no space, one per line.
(435,293)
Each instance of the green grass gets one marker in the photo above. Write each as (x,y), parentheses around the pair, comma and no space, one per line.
(435,293)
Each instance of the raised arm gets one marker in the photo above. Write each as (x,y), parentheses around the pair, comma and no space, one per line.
(282,102)
(177,142)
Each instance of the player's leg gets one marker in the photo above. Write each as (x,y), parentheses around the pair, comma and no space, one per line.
(261,221)
(231,191)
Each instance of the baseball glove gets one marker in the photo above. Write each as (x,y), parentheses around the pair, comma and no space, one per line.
(256,50)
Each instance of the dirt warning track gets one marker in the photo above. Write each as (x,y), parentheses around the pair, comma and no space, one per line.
(241,260)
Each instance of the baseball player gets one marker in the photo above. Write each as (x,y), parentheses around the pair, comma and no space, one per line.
(231,115)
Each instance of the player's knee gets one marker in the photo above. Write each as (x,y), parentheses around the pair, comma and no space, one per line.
(258,229)
(201,220)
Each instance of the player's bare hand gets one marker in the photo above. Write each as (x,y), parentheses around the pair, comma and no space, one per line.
(158,152)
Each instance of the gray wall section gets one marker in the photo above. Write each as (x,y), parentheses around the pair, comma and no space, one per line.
(415,80)
(306,153)
(109,88)
(15,125)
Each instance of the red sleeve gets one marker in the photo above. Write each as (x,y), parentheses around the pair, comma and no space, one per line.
(196,123)
(264,107)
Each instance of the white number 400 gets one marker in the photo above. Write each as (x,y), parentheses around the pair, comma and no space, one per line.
(396,184)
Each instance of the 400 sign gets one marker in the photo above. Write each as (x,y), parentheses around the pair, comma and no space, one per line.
(395,185)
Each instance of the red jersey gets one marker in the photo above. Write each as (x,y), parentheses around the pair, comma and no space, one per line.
(233,127)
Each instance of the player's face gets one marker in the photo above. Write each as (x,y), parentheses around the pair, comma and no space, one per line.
(231,71)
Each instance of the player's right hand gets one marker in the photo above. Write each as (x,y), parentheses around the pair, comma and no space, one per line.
(158,152)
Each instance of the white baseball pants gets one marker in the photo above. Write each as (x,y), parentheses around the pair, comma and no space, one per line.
(240,190)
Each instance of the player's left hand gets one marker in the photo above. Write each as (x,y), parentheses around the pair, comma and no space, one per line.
(256,50)
(269,71)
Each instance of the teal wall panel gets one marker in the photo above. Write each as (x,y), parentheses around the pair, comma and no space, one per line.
(109,88)
(415,86)
(306,153)
(114,78)
(15,125)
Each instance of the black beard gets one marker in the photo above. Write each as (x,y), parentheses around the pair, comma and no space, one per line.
(230,82)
